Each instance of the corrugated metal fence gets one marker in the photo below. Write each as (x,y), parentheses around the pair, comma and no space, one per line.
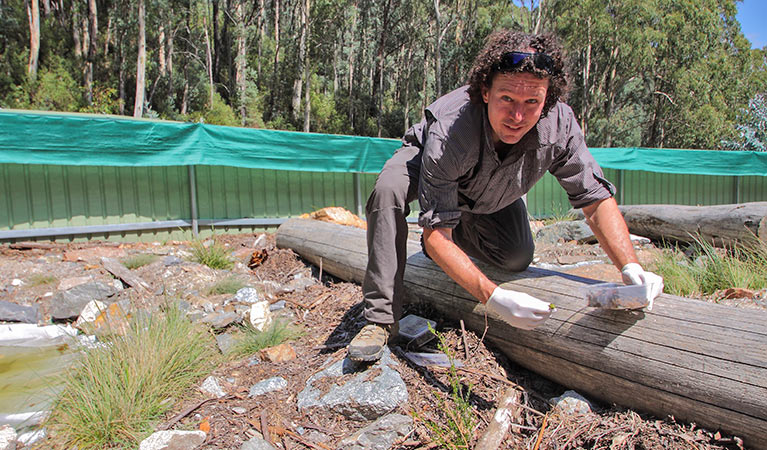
(156,203)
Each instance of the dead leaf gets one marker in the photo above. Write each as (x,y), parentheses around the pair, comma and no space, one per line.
(257,258)
(205,425)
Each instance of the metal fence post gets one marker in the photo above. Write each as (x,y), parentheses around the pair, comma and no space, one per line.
(357,194)
(736,189)
(193,200)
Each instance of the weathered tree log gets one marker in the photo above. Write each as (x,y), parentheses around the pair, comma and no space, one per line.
(698,361)
(721,225)
(508,411)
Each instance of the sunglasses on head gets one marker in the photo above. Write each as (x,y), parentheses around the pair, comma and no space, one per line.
(512,60)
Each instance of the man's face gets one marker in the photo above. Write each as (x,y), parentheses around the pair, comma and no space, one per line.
(514,104)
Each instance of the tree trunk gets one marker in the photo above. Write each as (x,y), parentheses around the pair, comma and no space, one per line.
(208,59)
(33,12)
(121,72)
(161,49)
(307,73)
(698,361)
(93,31)
(261,21)
(409,65)
(76,31)
(537,28)
(720,225)
(241,63)
(586,72)
(276,66)
(437,51)
(138,108)
(298,81)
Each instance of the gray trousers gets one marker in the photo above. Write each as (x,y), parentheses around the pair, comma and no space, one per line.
(502,238)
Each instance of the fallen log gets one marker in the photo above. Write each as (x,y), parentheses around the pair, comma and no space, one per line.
(720,225)
(508,412)
(697,361)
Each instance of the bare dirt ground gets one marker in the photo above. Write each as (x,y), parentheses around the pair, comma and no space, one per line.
(330,315)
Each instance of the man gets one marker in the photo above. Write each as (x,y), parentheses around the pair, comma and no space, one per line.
(479,149)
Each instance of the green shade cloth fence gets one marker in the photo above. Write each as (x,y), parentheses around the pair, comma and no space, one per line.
(33,137)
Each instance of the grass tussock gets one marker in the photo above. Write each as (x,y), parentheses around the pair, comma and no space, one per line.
(249,340)
(215,255)
(140,260)
(40,279)
(457,428)
(229,285)
(710,269)
(115,394)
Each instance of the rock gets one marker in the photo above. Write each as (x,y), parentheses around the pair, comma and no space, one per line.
(173,440)
(257,444)
(268,385)
(16,282)
(219,320)
(299,284)
(212,387)
(379,435)
(572,402)
(69,283)
(268,288)
(30,437)
(93,254)
(109,319)
(68,304)
(260,317)
(276,306)
(171,260)
(279,353)
(225,342)
(640,240)
(7,438)
(575,230)
(11,312)
(247,295)
(363,397)
(239,410)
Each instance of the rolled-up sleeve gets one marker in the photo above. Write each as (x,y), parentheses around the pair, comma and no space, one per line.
(438,186)
(576,169)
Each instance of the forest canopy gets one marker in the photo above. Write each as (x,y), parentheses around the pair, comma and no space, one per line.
(650,73)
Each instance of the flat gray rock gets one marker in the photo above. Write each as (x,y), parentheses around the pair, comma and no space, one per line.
(574,230)
(257,444)
(11,312)
(361,397)
(68,304)
(173,440)
(220,320)
(379,435)
(225,342)
(268,385)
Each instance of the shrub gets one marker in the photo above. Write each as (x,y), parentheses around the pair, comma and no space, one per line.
(215,256)
(140,260)
(249,340)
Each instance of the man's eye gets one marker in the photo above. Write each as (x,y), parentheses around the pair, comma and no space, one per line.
(532,101)
(506,99)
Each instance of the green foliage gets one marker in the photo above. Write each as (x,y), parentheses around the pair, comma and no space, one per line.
(711,269)
(457,430)
(105,101)
(249,340)
(40,279)
(229,285)
(752,127)
(116,393)
(218,114)
(215,255)
(140,260)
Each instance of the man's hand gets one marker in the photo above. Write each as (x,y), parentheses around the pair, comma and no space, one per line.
(518,309)
(633,273)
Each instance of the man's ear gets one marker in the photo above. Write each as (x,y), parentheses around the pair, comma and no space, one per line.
(485,93)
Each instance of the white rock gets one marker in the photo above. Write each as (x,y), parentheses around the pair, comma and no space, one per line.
(16,282)
(260,316)
(173,440)
(30,437)
(91,312)
(572,402)
(7,438)
(31,335)
(212,387)
(68,283)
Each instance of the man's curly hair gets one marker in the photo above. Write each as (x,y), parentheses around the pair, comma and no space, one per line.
(486,65)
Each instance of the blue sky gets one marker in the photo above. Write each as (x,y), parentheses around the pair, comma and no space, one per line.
(752,15)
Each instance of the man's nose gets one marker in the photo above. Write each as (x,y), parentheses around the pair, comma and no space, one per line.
(517,113)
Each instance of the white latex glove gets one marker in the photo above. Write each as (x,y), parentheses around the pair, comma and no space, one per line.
(518,309)
(633,273)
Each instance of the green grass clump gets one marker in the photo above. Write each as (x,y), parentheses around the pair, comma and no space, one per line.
(140,260)
(250,340)
(114,395)
(229,285)
(712,270)
(456,431)
(215,256)
(40,279)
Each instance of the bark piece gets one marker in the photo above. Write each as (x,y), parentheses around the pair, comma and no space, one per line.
(117,269)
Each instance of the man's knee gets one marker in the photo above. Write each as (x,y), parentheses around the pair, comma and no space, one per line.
(388,192)
(518,260)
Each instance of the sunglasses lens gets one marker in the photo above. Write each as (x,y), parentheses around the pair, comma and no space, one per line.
(512,60)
